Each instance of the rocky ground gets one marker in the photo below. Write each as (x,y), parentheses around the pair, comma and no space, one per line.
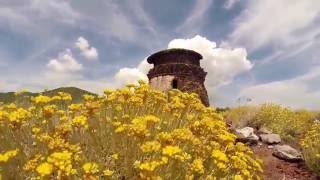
(277,169)
(280,161)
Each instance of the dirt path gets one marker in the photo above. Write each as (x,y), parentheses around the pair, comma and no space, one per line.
(276,169)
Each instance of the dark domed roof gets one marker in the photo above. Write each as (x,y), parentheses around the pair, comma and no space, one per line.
(159,55)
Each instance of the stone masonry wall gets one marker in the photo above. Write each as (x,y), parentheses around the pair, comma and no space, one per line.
(180,68)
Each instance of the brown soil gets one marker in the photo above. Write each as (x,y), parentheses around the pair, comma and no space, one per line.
(276,169)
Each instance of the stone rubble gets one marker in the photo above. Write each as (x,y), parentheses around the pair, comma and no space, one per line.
(247,135)
(265,136)
(287,153)
(270,138)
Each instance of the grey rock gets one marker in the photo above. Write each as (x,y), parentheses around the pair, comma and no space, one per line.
(270,138)
(247,135)
(264,130)
(287,153)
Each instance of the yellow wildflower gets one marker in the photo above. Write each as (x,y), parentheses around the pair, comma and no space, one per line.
(108,91)
(49,110)
(120,129)
(150,146)
(44,169)
(4,157)
(90,168)
(63,161)
(197,166)
(149,166)
(11,106)
(35,130)
(219,155)
(238,177)
(75,107)
(88,97)
(171,150)
(115,156)
(108,172)
(41,99)
(182,156)
(142,131)
(55,98)
(65,96)
(19,116)
(80,121)
(3,115)
(32,163)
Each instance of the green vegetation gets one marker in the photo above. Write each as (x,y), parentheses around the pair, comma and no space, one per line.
(311,148)
(290,124)
(300,128)
(11,97)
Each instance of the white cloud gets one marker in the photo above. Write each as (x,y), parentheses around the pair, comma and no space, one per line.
(129,75)
(144,66)
(37,17)
(300,92)
(58,10)
(65,62)
(229,4)
(222,64)
(132,75)
(142,16)
(280,23)
(196,17)
(47,18)
(88,52)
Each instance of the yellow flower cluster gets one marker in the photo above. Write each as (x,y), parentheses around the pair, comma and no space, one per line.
(80,121)
(197,166)
(171,150)
(18,117)
(90,168)
(150,146)
(44,169)
(274,117)
(134,133)
(42,99)
(4,157)
(311,148)
(63,162)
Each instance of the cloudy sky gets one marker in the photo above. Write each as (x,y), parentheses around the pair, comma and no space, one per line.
(265,50)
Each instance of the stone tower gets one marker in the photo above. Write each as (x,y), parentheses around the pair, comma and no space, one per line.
(178,69)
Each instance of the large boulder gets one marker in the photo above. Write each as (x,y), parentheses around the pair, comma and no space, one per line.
(287,153)
(247,135)
(270,138)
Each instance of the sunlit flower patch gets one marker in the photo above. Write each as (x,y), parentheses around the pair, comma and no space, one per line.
(130,133)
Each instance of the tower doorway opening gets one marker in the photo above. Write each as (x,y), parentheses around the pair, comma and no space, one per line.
(175,84)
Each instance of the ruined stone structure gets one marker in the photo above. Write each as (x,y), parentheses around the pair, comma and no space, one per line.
(178,69)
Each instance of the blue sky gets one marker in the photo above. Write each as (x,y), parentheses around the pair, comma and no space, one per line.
(266,50)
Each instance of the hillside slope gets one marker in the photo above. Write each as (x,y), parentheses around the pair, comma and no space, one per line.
(76,93)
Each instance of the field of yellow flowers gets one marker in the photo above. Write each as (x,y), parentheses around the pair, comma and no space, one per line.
(296,127)
(311,148)
(129,133)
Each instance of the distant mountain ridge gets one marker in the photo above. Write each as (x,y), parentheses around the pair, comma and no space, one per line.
(76,93)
